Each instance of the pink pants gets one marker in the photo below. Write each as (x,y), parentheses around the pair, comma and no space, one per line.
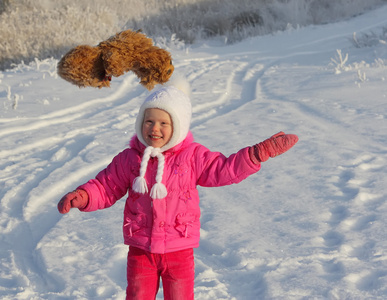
(144,270)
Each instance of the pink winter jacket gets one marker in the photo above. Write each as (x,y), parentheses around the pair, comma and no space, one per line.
(173,223)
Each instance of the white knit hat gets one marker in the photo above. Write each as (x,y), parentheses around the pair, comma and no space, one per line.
(178,105)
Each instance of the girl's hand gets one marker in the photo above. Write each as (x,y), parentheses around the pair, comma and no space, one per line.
(273,146)
(78,199)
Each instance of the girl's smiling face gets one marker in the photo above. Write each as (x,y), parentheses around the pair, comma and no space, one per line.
(157,127)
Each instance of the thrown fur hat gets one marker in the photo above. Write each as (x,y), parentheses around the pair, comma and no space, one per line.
(178,105)
(125,51)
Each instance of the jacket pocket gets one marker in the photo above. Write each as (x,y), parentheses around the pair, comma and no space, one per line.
(134,223)
(184,222)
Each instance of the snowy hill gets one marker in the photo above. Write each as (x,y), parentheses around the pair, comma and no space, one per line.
(310,225)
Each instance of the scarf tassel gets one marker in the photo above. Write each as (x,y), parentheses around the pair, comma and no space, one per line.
(139,185)
(158,191)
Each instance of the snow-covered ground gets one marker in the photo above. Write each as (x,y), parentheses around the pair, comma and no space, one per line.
(310,225)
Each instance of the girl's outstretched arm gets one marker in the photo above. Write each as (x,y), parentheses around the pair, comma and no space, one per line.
(215,169)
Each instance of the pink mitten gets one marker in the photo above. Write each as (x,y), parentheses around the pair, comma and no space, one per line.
(273,146)
(78,199)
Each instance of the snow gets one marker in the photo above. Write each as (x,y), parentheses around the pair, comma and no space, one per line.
(310,225)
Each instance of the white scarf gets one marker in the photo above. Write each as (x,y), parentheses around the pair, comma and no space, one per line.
(140,185)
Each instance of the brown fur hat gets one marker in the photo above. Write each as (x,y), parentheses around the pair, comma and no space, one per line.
(126,51)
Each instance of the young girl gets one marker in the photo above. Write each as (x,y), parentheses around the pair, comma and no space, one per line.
(160,172)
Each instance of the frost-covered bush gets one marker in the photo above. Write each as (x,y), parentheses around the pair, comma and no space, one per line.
(43,28)
(369,39)
(339,62)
